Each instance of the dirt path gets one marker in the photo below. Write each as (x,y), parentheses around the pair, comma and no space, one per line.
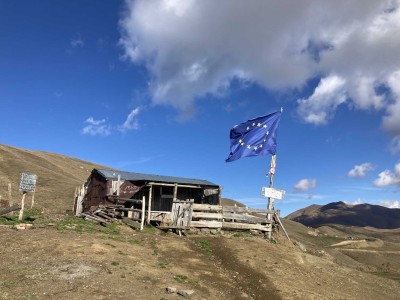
(253,283)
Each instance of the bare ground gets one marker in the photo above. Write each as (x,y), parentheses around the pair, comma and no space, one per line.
(44,263)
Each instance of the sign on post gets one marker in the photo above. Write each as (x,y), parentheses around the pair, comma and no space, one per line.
(272,193)
(28,182)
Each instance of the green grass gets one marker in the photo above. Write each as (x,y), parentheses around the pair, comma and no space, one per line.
(12,219)
(184,279)
(122,239)
(242,234)
(80,225)
(204,245)
(181,278)
(163,265)
(149,229)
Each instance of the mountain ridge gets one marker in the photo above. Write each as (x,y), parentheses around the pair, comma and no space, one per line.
(361,215)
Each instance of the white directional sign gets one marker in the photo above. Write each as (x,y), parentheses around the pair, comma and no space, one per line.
(272,193)
(28,182)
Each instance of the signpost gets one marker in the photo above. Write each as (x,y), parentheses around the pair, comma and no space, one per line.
(273,193)
(26,184)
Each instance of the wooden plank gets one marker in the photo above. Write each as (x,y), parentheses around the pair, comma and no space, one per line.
(206,207)
(21,212)
(191,201)
(173,184)
(131,223)
(94,218)
(235,225)
(246,210)
(280,223)
(128,209)
(203,215)
(9,209)
(124,199)
(206,224)
(149,204)
(143,212)
(243,217)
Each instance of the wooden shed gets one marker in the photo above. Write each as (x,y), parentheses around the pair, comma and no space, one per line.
(164,200)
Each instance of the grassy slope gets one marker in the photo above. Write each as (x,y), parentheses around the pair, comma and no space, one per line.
(58,176)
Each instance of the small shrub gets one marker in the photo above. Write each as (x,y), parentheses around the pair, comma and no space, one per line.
(114,263)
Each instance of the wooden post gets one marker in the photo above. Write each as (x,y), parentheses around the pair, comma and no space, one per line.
(10,201)
(175,206)
(33,198)
(219,194)
(149,204)
(271,184)
(118,184)
(21,212)
(143,212)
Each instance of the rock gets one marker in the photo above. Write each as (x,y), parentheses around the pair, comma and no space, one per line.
(22,226)
(214,231)
(301,246)
(186,293)
(171,290)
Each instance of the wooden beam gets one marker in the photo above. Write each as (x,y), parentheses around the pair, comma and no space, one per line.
(119,184)
(149,204)
(206,224)
(246,209)
(128,209)
(219,194)
(143,212)
(173,184)
(206,207)
(243,217)
(9,209)
(21,212)
(235,225)
(203,215)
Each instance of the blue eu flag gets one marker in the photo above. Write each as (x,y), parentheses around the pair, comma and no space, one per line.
(254,137)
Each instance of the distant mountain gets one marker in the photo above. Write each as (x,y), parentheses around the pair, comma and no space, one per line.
(350,215)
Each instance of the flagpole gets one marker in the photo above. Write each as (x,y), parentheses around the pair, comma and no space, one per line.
(271,184)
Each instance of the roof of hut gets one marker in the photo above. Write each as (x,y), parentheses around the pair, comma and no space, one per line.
(130,176)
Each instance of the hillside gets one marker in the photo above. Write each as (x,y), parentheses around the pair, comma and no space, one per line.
(58,176)
(350,215)
(65,257)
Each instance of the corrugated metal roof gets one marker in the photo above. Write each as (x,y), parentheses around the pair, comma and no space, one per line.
(113,174)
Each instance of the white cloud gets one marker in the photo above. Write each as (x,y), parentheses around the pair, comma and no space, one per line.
(131,122)
(360,170)
(96,127)
(76,43)
(390,203)
(355,202)
(319,107)
(305,184)
(194,48)
(388,177)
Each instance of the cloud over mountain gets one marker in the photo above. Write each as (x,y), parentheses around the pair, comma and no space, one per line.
(193,48)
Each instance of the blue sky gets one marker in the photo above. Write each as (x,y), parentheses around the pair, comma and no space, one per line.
(156,86)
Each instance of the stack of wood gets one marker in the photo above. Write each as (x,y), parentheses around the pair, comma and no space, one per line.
(109,214)
(104,214)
